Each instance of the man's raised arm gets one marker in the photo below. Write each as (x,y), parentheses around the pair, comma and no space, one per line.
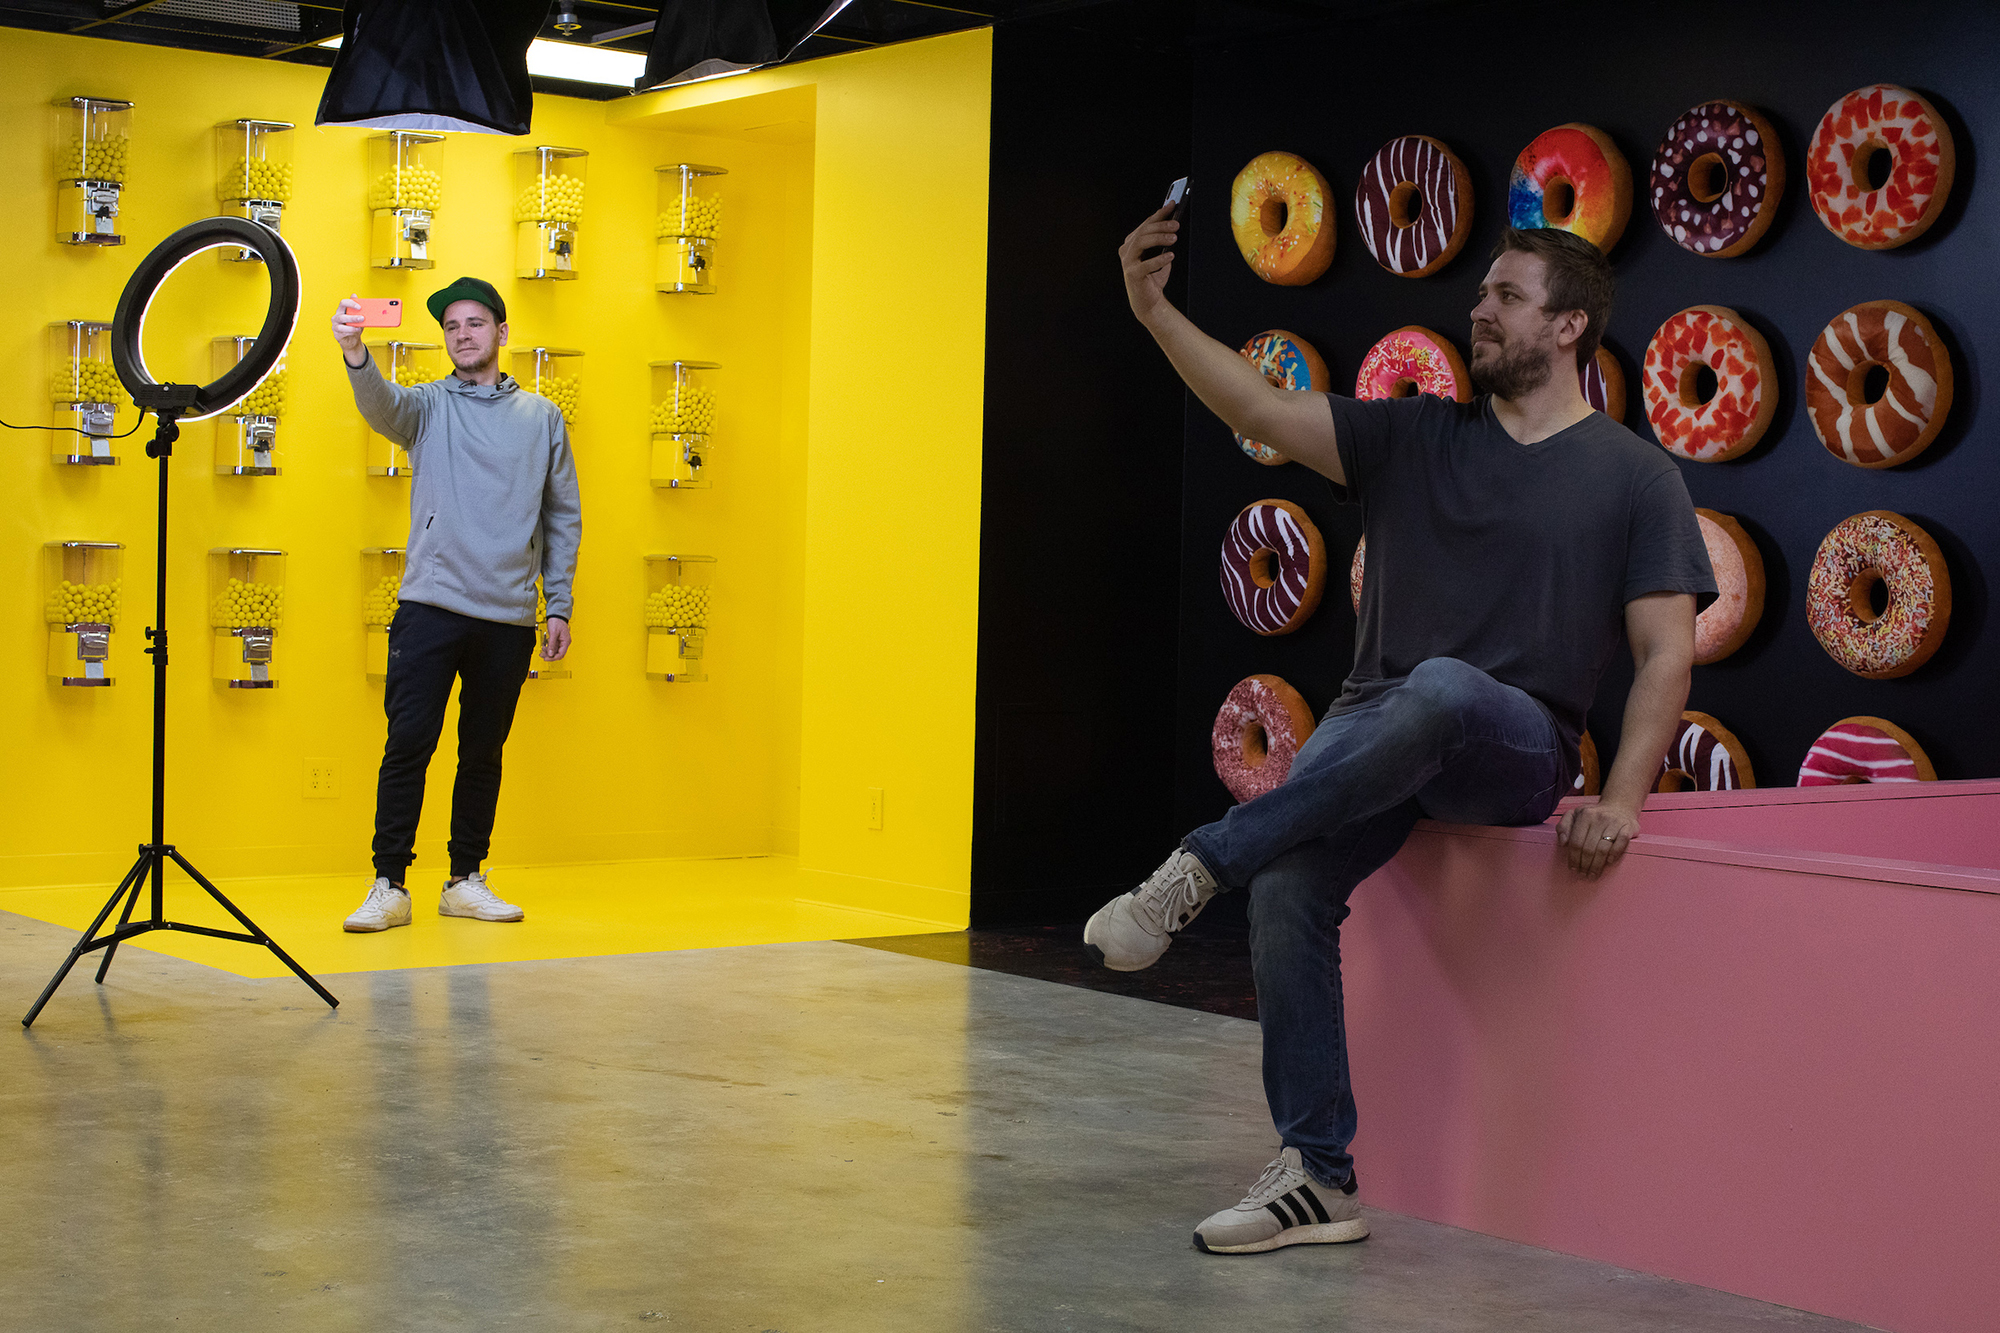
(1296,423)
(389,409)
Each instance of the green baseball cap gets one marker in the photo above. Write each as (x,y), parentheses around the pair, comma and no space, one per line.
(468,289)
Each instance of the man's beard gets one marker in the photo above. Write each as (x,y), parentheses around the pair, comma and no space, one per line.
(1516,372)
(479,366)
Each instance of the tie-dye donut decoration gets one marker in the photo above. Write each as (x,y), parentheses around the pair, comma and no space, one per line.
(1902,422)
(1717,178)
(1414,206)
(1603,383)
(1735,416)
(1257,735)
(1273,567)
(1871,550)
(1704,756)
(1410,361)
(1739,581)
(1574,179)
(1887,132)
(1286,361)
(1865,749)
(1356,570)
(1586,782)
(1278,214)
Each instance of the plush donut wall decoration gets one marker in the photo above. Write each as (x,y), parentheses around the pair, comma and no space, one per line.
(1586,783)
(1603,383)
(1273,567)
(1257,734)
(1880,167)
(1414,206)
(1739,580)
(1355,571)
(1278,213)
(1865,749)
(1286,361)
(1704,756)
(1572,178)
(1885,550)
(1735,414)
(1913,398)
(1410,361)
(1717,178)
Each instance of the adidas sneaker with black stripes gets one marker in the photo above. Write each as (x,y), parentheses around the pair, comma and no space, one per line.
(1285,1207)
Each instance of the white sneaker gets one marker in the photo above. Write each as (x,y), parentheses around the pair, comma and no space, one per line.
(1285,1207)
(471,897)
(385,906)
(1134,929)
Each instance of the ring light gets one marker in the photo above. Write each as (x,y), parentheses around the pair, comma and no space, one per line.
(128,325)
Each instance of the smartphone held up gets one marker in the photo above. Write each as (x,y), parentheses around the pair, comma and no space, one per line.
(1176,200)
(380,312)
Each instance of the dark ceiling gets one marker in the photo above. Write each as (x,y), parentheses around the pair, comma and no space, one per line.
(291,29)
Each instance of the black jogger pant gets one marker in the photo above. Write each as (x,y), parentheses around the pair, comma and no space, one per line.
(428,648)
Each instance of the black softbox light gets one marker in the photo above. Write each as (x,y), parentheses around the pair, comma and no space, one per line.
(696,39)
(434,65)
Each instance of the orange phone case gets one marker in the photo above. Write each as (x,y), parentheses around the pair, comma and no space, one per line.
(381,312)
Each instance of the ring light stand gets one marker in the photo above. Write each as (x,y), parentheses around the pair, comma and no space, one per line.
(171,404)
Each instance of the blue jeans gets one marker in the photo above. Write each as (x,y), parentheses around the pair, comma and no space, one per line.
(1449,742)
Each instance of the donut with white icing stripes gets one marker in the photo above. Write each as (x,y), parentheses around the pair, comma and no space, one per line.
(1902,422)
(1414,205)
(1865,749)
(1273,567)
(1704,756)
(1603,382)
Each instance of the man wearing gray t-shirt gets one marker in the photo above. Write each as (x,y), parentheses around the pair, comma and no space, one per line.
(1512,540)
(493,508)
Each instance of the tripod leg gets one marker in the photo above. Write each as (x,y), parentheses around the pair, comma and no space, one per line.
(124,917)
(133,878)
(253,928)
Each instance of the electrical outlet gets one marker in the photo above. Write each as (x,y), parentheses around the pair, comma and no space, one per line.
(322,780)
(875,807)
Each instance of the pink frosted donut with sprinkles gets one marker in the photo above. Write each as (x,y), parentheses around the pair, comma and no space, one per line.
(1717,178)
(1257,734)
(1865,749)
(1273,567)
(1880,167)
(1410,361)
(1414,206)
(1704,756)
(1872,551)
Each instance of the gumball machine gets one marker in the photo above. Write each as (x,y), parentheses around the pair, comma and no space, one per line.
(407,364)
(381,591)
(80,585)
(552,372)
(90,138)
(686,229)
(405,189)
(548,210)
(246,436)
(683,421)
(85,396)
(677,601)
(539,667)
(253,174)
(246,607)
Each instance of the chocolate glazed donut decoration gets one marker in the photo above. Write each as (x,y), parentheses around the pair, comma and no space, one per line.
(1414,206)
(1717,178)
(1273,567)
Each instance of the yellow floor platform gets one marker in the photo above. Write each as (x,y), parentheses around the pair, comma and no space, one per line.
(572,912)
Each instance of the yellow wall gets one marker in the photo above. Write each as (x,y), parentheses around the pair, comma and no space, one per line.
(850,325)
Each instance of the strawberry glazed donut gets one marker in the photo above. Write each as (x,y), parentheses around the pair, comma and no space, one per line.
(1414,206)
(1410,361)
(1572,178)
(1704,756)
(1277,211)
(1603,382)
(1872,550)
(1273,567)
(1911,402)
(1880,167)
(1739,581)
(1736,411)
(1257,734)
(1717,179)
(1865,749)
(1286,361)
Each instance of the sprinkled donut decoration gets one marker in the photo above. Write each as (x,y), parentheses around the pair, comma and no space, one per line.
(1734,418)
(1414,205)
(1717,178)
(1572,178)
(1286,361)
(1257,734)
(1872,549)
(1739,580)
(1356,570)
(1278,214)
(1273,567)
(1886,129)
(1586,783)
(1704,756)
(1603,383)
(1410,361)
(1910,412)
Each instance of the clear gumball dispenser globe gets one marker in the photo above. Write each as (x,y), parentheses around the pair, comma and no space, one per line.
(81,585)
(683,423)
(246,609)
(678,593)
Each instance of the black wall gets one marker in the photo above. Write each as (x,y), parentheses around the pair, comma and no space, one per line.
(1486,79)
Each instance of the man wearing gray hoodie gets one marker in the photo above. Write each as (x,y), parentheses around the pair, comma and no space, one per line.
(493,506)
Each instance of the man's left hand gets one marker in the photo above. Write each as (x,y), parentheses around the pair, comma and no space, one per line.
(557,642)
(1594,837)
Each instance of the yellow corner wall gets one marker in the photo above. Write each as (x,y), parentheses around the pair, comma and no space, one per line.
(850,326)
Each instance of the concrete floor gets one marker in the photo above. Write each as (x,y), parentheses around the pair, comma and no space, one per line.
(794,1137)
